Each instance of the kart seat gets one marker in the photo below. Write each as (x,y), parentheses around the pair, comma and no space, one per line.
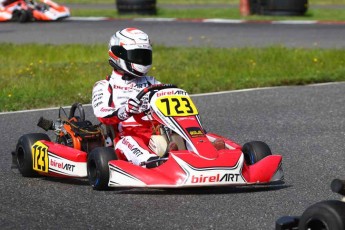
(159,143)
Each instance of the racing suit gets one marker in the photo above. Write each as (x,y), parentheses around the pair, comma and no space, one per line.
(109,98)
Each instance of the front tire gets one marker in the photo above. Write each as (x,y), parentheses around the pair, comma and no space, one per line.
(23,152)
(255,151)
(326,215)
(97,167)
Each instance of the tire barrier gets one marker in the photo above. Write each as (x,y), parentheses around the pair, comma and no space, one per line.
(279,7)
(147,7)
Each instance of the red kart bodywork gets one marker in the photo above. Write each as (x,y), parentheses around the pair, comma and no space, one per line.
(44,10)
(182,169)
(56,160)
(205,166)
(7,11)
(185,170)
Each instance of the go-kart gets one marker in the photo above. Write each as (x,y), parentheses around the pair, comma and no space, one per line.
(80,150)
(30,10)
(325,215)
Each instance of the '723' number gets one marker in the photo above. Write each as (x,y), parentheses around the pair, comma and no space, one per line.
(177,106)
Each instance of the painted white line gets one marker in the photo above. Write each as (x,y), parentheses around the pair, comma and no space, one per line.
(326,83)
(219,20)
(192,95)
(293,22)
(209,20)
(237,91)
(35,110)
(87,19)
(155,19)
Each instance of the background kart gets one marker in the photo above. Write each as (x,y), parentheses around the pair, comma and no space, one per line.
(27,10)
(325,215)
(79,150)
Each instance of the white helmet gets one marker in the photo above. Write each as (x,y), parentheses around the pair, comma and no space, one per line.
(130,51)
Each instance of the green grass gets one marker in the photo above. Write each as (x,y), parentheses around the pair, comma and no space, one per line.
(52,78)
(230,13)
(191,2)
(314,13)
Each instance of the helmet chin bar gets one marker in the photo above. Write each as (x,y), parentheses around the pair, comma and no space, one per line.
(126,74)
(133,71)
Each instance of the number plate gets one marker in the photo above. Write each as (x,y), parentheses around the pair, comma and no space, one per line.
(172,106)
(40,157)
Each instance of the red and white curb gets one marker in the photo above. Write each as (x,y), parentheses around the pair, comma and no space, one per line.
(211,20)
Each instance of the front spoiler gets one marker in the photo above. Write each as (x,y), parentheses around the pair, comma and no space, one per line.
(186,170)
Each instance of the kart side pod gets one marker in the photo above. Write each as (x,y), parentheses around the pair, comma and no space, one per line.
(56,160)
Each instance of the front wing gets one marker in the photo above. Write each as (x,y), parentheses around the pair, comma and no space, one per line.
(187,170)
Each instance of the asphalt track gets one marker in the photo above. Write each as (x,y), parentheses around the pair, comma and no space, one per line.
(306,124)
(180,33)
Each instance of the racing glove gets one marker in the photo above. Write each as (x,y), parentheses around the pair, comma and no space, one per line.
(132,107)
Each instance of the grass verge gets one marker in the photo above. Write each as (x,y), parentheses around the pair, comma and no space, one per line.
(192,2)
(52,78)
(212,11)
(226,13)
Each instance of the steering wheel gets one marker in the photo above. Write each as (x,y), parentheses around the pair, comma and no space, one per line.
(154,87)
(140,95)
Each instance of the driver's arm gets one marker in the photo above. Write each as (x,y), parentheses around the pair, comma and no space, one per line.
(103,106)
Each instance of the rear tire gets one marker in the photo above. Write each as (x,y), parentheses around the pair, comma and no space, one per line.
(326,215)
(97,167)
(255,151)
(23,153)
(15,16)
(24,16)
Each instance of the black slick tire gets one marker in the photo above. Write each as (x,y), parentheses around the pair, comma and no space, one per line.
(97,167)
(23,153)
(255,151)
(325,215)
(147,7)
(24,16)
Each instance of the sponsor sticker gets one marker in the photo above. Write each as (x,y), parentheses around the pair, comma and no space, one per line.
(226,177)
(62,165)
(195,132)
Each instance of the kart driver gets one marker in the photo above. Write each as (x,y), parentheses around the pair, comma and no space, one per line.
(114,99)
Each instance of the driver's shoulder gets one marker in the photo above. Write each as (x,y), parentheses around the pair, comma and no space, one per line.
(101,83)
(152,80)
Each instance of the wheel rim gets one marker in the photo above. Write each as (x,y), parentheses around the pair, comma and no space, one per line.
(316,224)
(249,158)
(93,173)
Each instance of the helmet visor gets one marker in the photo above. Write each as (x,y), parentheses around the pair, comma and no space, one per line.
(137,56)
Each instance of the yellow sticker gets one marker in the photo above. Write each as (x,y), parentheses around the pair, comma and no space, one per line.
(176,106)
(195,132)
(40,157)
